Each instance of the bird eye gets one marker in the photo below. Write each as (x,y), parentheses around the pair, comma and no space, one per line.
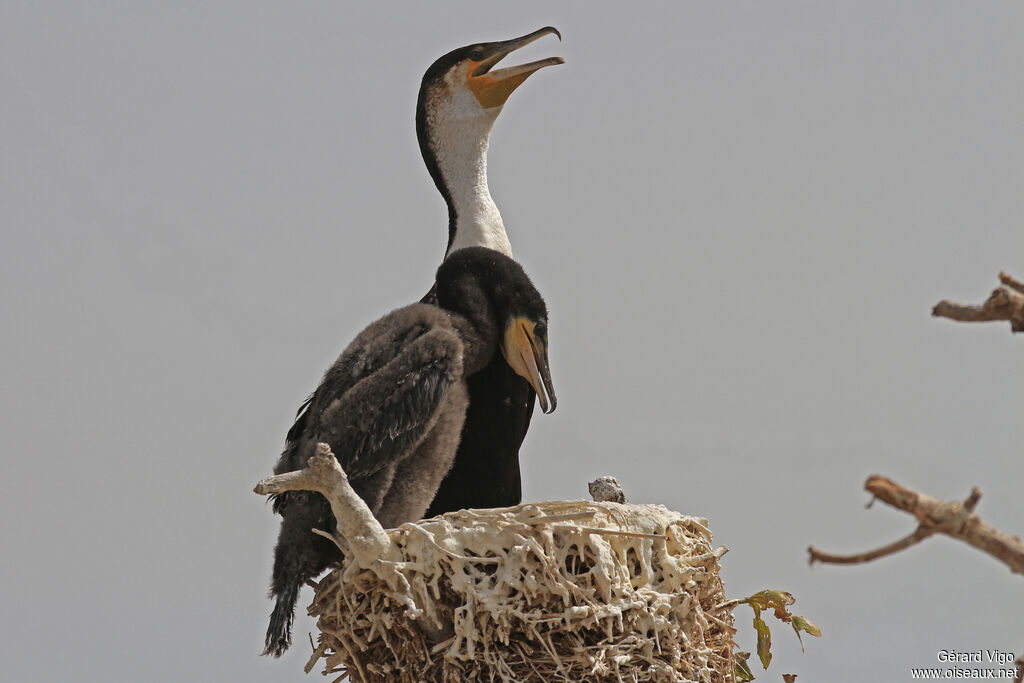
(476,54)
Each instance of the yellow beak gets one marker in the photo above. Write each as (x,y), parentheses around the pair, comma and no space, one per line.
(492,88)
(526,352)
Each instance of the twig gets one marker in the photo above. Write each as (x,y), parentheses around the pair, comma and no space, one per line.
(318,652)
(616,532)
(919,535)
(954,519)
(1007,280)
(365,537)
(715,555)
(547,519)
(1005,303)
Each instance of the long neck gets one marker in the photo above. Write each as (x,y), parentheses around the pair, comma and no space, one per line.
(455,151)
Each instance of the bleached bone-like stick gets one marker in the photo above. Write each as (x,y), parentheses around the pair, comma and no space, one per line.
(953,518)
(1005,303)
(362,534)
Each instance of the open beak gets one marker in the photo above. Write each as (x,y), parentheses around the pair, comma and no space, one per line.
(527,353)
(492,88)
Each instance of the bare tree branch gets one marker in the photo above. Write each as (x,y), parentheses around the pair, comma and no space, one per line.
(953,518)
(358,531)
(1005,303)
(913,539)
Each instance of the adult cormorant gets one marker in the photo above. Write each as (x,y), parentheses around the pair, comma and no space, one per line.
(460,97)
(393,404)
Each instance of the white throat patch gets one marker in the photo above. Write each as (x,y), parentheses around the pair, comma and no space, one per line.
(460,130)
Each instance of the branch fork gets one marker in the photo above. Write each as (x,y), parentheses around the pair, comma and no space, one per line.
(1005,303)
(358,532)
(951,518)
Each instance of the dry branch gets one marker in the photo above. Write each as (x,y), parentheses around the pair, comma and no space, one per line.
(1005,303)
(358,532)
(919,535)
(952,518)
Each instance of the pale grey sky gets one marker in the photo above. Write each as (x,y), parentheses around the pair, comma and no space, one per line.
(740,214)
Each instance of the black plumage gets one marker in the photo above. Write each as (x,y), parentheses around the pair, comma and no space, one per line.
(392,408)
(486,471)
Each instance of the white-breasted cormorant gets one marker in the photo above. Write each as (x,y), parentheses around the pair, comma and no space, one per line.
(393,404)
(460,97)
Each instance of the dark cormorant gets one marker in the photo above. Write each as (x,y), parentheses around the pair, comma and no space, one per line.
(460,98)
(393,404)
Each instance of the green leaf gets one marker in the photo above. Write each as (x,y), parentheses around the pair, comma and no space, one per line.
(778,602)
(764,639)
(743,672)
(778,599)
(801,624)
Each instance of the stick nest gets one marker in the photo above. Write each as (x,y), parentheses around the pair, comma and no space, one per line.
(561,591)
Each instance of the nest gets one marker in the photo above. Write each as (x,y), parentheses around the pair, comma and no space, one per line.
(563,591)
